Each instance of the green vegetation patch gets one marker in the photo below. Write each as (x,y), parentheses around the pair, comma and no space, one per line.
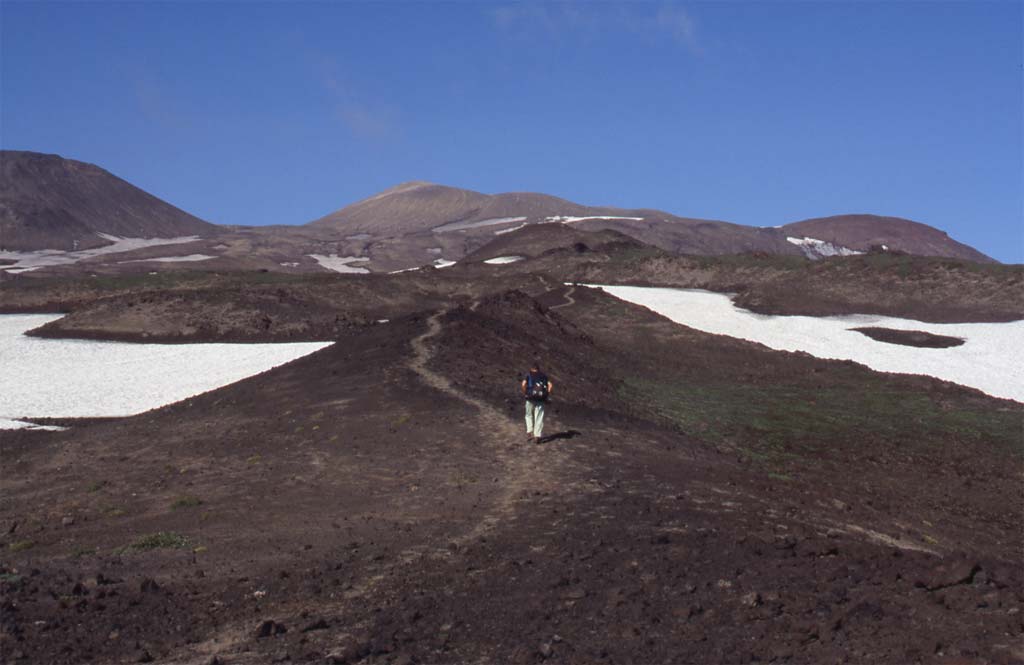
(778,424)
(21,545)
(186,502)
(160,540)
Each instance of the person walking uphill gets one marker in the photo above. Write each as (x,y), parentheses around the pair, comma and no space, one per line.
(536,388)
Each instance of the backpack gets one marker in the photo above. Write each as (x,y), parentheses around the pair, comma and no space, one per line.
(537,387)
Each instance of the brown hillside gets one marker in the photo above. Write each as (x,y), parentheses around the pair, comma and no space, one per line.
(48,202)
(862,232)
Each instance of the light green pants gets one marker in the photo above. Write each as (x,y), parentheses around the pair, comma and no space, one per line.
(534,418)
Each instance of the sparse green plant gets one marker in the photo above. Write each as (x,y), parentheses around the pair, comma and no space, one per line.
(96,486)
(80,552)
(186,502)
(21,545)
(159,540)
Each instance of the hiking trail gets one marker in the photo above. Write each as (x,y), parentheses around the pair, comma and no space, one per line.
(569,300)
(526,467)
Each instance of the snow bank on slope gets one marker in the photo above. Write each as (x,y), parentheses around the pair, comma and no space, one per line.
(55,257)
(59,378)
(815,249)
(990,360)
(509,230)
(499,260)
(175,259)
(564,219)
(462,226)
(341,263)
(7,423)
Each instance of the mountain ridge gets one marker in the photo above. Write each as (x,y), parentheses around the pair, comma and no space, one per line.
(50,202)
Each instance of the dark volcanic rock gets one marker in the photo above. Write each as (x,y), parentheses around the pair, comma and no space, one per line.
(917,338)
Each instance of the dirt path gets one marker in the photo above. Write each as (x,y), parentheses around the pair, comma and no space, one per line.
(569,300)
(527,468)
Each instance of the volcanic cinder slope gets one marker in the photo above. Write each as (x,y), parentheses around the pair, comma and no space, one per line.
(48,202)
(700,499)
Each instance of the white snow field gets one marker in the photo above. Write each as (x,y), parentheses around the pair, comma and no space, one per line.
(815,249)
(175,259)
(989,360)
(500,260)
(60,378)
(462,226)
(54,257)
(565,219)
(341,263)
(510,229)
(7,423)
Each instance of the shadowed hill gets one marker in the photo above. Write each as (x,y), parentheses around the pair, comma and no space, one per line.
(48,202)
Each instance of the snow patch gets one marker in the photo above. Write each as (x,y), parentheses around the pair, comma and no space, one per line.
(989,360)
(510,230)
(55,257)
(61,378)
(7,423)
(174,259)
(442,263)
(341,263)
(462,226)
(500,260)
(565,219)
(816,249)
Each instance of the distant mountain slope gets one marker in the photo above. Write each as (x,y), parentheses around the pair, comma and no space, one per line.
(416,222)
(413,207)
(536,239)
(460,221)
(862,232)
(48,202)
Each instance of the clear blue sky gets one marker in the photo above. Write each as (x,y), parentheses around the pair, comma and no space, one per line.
(760,113)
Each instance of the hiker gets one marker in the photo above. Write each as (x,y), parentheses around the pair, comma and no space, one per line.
(536,388)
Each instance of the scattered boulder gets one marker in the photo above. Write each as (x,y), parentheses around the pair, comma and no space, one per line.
(319,624)
(947,575)
(270,627)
